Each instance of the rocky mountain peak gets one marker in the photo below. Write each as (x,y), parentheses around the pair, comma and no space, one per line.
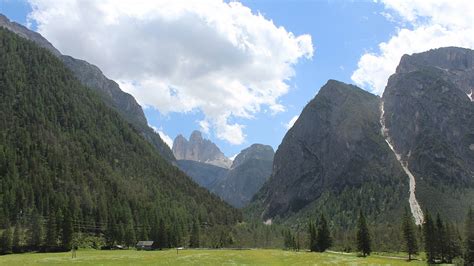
(254,152)
(453,64)
(200,150)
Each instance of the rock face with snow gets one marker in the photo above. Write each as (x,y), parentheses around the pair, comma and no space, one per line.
(199,150)
(430,121)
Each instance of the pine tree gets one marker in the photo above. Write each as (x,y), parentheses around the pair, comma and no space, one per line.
(312,237)
(51,240)
(6,242)
(194,240)
(409,234)
(323,238)
(130,239)
(469,236)
(429,236)
(363,236)
(441,241)
(453,243)
(35,239)
(162,235)
(109,232)
(67,231)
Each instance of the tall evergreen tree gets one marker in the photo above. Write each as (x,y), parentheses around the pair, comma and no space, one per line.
(469,236)
(323,238)
(6,241)
(363,236)
(441,241)
(35,239)
(429,237)
(194,240)
(409,234)
(162,235)
(67,231)
(130,239)
(51,240)
(453,243)
(312,237)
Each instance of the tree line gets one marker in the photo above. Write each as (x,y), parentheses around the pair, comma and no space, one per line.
(441,241)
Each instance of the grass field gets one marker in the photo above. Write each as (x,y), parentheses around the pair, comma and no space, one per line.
(198,257)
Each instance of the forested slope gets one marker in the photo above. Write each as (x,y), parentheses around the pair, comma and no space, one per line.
(66,156)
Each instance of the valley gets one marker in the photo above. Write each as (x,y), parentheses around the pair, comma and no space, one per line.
(96,166)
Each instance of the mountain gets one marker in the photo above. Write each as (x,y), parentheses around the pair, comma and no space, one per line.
(237,185)
(249,171)
(92,77)
(349,149)
(67,156)
(335,160)
(199,150)
(429,119)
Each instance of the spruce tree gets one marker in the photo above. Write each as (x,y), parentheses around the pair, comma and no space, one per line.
(363,236)
(429,236)
(162,235)
(453,243)
(441,241)
(409,234)
(35,239)
(130,239)
(323,238)
(51,240)
(469,236)
(194,240)
(312,237)
(67,231)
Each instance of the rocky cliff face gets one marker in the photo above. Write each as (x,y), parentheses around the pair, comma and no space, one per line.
(249,171)
(429,118)
(333,158)
(455,64)
(92,77)
(199,150)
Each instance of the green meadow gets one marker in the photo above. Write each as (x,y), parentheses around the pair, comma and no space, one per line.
(199,257)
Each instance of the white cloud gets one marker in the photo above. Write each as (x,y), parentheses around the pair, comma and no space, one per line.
(291,122)
(167,139)
(180,56)
(427,25)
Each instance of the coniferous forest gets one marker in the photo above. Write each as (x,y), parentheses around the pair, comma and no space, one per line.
(71,167)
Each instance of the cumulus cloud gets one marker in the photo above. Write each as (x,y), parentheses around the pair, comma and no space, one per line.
(424,25)
(179,56)
(167,139)
(291,122)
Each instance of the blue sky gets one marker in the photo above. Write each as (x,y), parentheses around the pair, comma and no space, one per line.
(345,36)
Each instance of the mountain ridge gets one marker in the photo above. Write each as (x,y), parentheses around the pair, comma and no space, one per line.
(92,77)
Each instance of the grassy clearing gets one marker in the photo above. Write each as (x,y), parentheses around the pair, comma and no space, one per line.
(197,257)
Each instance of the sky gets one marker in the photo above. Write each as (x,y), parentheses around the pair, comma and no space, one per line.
(241,72)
